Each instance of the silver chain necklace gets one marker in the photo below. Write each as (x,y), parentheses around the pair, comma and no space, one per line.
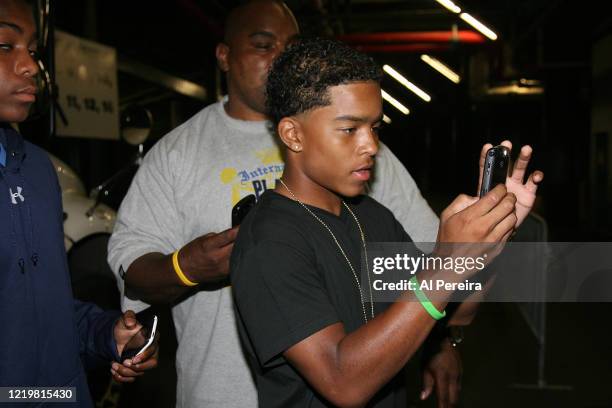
(365,316)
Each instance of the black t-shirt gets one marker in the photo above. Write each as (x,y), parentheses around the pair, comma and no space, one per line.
(290,281)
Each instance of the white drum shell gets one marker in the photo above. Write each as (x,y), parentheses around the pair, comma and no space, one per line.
(78,225)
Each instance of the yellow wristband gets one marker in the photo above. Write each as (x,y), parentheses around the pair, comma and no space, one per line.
(179,272)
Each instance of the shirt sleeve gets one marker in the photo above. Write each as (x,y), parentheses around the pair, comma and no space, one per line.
(95,328)
(280,297)
(396,189)
(148,220)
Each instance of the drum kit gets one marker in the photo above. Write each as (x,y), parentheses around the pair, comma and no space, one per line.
(89,218)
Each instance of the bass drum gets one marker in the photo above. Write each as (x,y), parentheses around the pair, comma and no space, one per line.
(92,278)
(82,217)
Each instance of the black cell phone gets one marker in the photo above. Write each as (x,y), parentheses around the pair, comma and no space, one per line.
(495,168)
(145,336)
(242,208)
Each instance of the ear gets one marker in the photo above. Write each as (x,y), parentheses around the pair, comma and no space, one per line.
(289,132)
(222,52)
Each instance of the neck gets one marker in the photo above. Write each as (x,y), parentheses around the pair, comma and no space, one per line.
(237,109)
(308,192)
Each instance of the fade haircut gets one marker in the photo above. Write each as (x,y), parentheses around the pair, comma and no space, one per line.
(301,76)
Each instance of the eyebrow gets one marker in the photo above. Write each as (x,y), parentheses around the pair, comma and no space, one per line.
(358,119)
(14,27)
(262,33)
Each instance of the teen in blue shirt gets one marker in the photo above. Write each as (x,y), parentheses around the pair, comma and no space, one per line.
(46,337)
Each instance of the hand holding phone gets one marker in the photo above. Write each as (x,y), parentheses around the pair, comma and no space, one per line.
(144,338)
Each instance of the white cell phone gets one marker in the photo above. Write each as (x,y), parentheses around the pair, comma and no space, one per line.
(142,340)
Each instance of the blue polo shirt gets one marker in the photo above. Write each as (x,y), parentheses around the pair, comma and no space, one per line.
(46,337)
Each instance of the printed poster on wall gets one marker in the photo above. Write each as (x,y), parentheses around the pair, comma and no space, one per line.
(86,76)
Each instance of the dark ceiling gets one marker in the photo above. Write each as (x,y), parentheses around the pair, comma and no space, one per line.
(178,36)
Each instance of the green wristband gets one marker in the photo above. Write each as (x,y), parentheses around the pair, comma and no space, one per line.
(431,309)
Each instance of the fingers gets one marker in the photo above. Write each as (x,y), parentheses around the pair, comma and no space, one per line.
(520,165)
(534,179)
(489,201)
(144,365)
(150,352)
(144,361)
(507,144)
(225,254)
(122,379)
(460,203)
(501,211)
(454,386)
(122,373)
(206,258)
(428,384)
(442,394)
(481,163)
(132,368)
(226,251)
(504,229)
(223,238)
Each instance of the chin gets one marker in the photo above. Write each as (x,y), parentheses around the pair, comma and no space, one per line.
(14,115)
(353,190)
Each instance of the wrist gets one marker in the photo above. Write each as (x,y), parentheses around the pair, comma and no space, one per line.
(455,335)
(178,261)
(442,337)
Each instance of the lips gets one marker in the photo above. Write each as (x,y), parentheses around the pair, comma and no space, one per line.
(363,173)
(26,94)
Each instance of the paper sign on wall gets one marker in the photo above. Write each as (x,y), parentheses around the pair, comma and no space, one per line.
(86,76)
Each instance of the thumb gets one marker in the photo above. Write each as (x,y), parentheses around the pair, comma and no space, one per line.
(460,203)
(428,383)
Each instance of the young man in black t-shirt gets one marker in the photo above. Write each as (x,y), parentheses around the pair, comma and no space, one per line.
(312,334)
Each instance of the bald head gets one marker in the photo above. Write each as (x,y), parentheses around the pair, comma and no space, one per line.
(255,34)
(253,13)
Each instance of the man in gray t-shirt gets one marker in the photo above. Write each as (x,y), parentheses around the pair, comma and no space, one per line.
(164,243)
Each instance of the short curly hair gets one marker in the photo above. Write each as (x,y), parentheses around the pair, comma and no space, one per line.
(301,76)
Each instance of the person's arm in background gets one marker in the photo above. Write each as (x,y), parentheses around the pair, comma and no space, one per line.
(149,229)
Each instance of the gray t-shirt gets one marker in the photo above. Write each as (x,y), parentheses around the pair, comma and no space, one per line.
(185,188)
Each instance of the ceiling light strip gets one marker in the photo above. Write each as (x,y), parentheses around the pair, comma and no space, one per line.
(450,5)
(396,104)
(441,68)
(402,80)
(486,31)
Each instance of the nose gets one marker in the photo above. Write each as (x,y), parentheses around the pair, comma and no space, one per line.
(281,45)
(26,64)
(370,144)
(277,51)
